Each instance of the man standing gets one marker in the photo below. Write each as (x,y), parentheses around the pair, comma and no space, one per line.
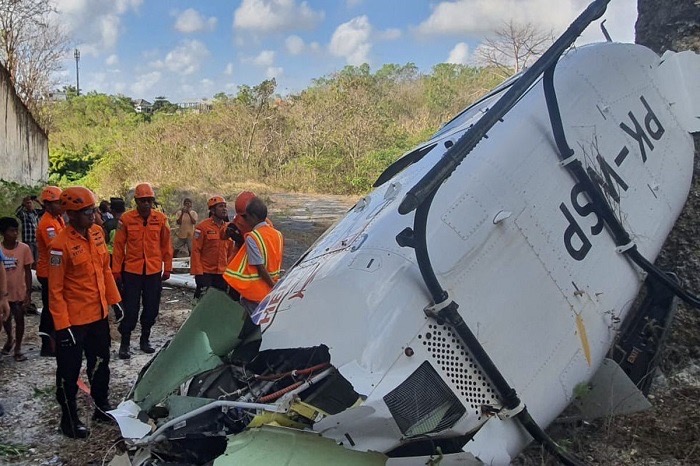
(186,220)
(50,225)
(117,207)
(256,267)
(211,248)
(81,289)
(142,257)
(29,218)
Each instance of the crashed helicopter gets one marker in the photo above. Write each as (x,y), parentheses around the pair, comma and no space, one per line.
(457,309)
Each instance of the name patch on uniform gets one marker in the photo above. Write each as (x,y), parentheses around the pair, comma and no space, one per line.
(197,234)
(56,258)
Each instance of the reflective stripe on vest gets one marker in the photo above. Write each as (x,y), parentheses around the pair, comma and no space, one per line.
(244,277)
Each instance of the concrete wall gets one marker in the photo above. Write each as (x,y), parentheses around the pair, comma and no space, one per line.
(24,146)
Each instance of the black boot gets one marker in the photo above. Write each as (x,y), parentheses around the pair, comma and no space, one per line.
(71,426)
(145,344)
(124,346)
(100,413)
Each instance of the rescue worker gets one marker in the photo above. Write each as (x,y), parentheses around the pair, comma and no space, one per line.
(257,265)
(238,226)
(211,248)
(50,225)
(142,258)
(81,289)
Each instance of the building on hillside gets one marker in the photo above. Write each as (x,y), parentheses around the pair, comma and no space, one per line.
(196,106)
(24,145)
(58,96)
(142,106)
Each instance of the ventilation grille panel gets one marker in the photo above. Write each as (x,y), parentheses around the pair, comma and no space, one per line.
(459,366)
(424,403)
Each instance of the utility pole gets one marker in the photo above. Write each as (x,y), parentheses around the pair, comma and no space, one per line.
(76,54)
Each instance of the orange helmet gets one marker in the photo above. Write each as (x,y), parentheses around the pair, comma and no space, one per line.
(215,200)
(144,190)
(242,201)
(77,198)
(51,194)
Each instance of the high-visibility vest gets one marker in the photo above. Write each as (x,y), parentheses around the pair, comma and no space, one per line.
(244,277)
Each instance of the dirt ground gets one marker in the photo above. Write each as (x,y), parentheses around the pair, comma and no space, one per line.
(668,434)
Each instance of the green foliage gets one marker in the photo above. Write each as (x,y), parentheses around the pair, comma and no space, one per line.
(11,195)
(336,136)
(12,450)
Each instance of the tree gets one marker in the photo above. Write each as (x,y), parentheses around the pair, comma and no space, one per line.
(513,47)
(32,45)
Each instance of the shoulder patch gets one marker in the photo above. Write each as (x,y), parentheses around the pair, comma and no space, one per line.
(56,257)
(51,231)
(197,233)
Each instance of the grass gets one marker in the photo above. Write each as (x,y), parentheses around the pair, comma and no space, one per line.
(11,450)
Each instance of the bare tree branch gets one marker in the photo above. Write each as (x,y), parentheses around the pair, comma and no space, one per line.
(32,46)
(513,47)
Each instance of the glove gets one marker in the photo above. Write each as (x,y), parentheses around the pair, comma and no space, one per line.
(65,338)
(234,233)
(117,276)
(165,276)
(118,312)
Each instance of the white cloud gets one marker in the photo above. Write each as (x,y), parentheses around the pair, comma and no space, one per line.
(228,71)
(97,24)
(351,41)
(275,15)
(191,20)
(265,58)
(112,60)
(145,83)
(459,54)
(274,72)
(294,44)
(474,18)
(185,59)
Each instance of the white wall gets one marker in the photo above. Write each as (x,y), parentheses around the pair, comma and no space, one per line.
(24,146)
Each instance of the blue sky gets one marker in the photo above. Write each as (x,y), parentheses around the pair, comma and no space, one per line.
(188,50)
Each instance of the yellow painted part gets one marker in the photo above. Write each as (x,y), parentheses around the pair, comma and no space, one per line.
(274,419)
(584,338)
(306,410)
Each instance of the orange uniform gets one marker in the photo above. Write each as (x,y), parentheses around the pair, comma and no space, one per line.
(81,285)
(243,277)
(211,249)
(142,246)
(49,227)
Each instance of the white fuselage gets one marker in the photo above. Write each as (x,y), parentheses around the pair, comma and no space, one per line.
(514,242)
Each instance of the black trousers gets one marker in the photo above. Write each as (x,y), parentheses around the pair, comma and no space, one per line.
(46,320)
(136,289)
(214,280)
(92,339)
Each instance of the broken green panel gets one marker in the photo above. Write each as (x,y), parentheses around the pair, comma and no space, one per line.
(210,333)
(291,447)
